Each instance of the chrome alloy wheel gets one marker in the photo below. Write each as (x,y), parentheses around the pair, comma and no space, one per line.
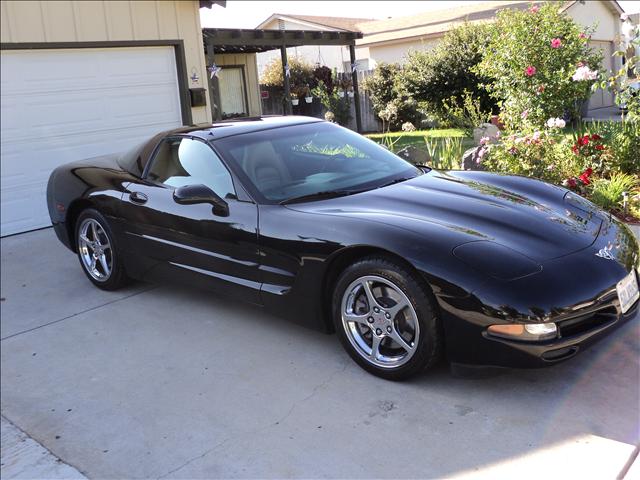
(95,250)
(380,321)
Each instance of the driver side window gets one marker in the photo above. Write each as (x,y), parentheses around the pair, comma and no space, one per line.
(183,161)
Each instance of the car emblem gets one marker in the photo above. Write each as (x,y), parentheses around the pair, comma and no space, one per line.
(605,253)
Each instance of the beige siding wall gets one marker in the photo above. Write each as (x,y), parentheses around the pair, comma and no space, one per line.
(597,14)
(251,76)
(109,20)
(396,52)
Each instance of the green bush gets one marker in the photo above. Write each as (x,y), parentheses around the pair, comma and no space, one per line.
(384,90)
(465,113)
(545,155)
(338,108)
(300,74)
(440,78)
(608,192)
(532,58)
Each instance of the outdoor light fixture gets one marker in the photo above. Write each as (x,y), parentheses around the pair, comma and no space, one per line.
(531,332)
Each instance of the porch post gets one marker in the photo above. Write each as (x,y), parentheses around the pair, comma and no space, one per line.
(356,91)
(214,87)
(285,77)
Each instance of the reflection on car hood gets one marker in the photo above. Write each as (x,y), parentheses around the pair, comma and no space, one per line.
(540,220)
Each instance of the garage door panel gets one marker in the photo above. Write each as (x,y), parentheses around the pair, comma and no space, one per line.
(55,70)
(151,105)
(19,213)
(60,106)
(24,163)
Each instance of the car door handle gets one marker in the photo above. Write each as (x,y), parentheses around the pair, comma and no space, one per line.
(138,197)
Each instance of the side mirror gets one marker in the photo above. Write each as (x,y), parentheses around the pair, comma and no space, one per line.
(192,194)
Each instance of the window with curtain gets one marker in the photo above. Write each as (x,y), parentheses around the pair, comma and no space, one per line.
(232,92)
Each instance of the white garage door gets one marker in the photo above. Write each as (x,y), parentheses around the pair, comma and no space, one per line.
(59,106)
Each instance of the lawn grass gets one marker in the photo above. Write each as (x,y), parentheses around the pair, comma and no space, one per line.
(434,133)
(405,139)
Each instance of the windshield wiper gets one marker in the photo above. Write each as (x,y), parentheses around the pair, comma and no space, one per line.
(319,196)
(397,180)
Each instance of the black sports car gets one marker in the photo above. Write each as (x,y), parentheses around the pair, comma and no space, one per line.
(328,228)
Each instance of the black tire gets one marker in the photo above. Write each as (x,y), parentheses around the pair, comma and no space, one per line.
(429,342)
(117,277)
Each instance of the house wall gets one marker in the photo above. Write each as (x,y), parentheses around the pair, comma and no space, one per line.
(607,30)
(99,21)
(248,60)
(396,52)
(596,13)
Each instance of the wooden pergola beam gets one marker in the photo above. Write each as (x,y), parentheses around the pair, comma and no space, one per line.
(236,40)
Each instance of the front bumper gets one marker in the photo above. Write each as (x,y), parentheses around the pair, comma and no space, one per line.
(577,292)
(474,346)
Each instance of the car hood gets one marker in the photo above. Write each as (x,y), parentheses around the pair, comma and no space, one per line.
(537,219)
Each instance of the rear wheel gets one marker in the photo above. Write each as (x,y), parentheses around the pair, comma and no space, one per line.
(97,251)
(385,319)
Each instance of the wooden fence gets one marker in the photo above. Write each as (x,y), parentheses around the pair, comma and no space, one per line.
(273,98)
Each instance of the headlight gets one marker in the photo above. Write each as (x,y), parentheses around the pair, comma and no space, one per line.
(531,332)
(496,260)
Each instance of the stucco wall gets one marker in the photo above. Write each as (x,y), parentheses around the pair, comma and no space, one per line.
(248,60)
(596,13)
(84,21)
(396,52)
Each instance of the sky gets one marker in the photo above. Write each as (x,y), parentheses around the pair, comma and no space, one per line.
(248,14)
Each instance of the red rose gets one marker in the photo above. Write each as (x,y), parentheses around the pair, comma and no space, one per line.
(571,183)
(584,177)
(584,140)
(600,147)
(595,136)
(575,149)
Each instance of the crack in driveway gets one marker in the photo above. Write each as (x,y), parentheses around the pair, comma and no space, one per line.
(80,313)
(314,391)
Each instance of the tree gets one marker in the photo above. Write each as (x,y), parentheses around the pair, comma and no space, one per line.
(384,89)
(300,73)
(540,65)
(446,73)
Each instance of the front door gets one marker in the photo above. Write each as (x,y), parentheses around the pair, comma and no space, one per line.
(191,243)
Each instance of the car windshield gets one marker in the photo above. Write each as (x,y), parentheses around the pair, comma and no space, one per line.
(312,161)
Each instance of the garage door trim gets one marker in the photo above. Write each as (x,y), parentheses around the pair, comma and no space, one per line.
(178,47)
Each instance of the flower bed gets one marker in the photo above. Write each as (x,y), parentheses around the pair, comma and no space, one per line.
(600,162)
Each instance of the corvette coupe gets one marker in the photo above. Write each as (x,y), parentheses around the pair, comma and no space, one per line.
(319,224)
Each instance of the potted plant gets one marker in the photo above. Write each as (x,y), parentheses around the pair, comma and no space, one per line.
(306,93)
(295,94)
(346,86)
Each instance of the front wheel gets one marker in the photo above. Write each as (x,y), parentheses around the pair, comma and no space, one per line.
(385,319)
(97,251)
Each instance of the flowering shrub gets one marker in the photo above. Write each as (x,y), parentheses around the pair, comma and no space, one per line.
(531,59)
(540,154)
(584,73)
(384,90)
(408,127)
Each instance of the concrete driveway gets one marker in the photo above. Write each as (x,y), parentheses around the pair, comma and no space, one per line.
(161,382)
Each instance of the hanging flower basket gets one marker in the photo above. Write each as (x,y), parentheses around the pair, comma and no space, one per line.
(308,99)
(295,101)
